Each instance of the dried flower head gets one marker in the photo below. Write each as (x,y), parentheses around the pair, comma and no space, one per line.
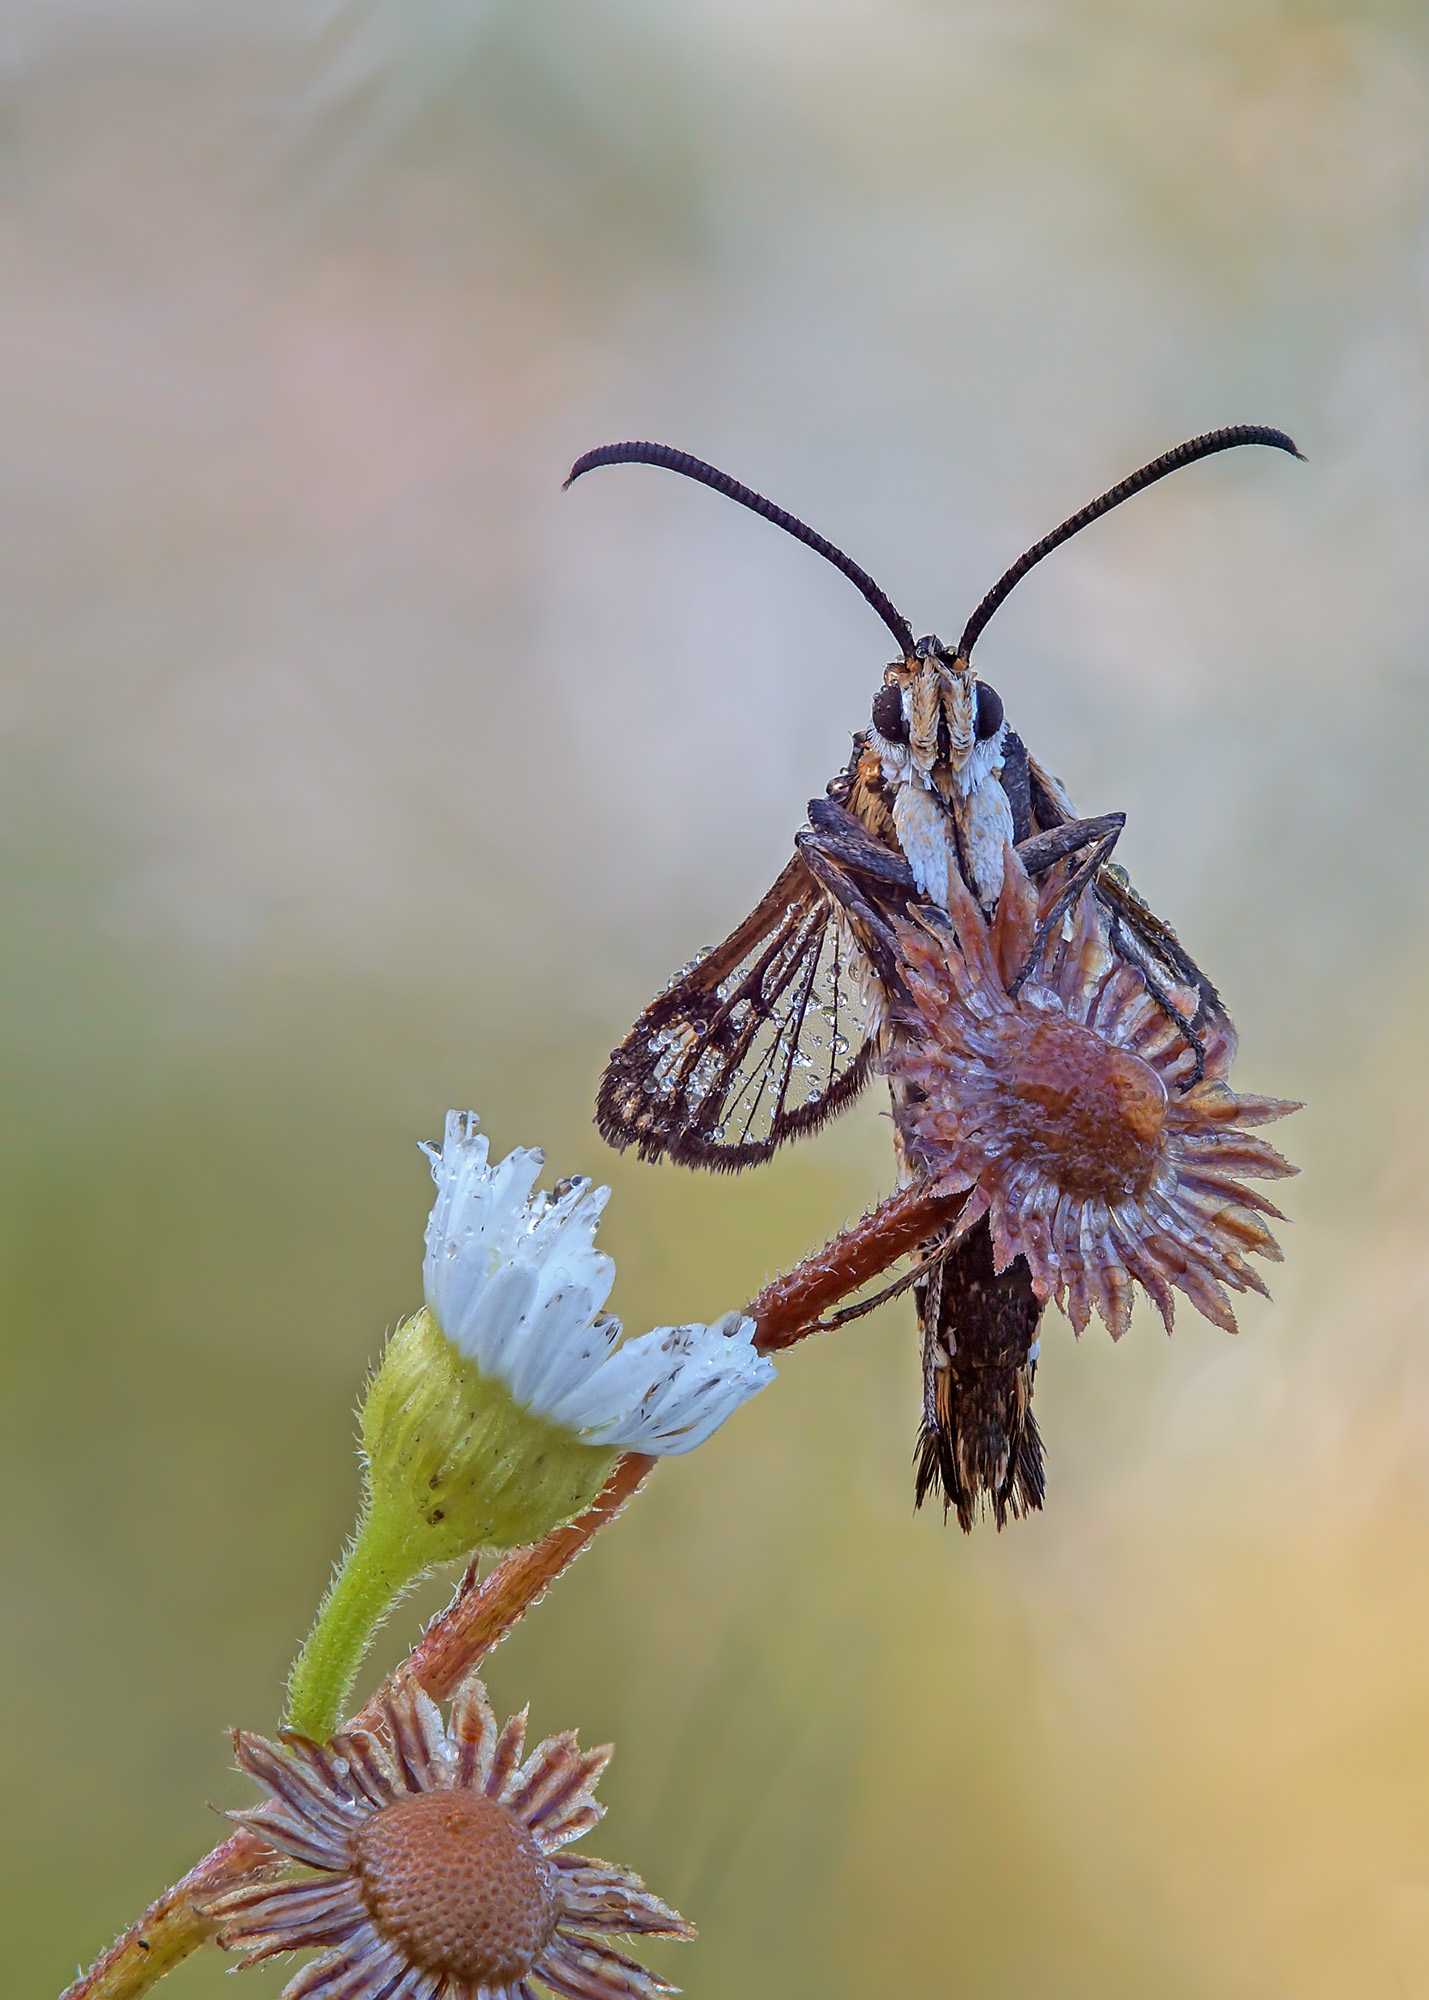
(1070,1115)
(437,1875)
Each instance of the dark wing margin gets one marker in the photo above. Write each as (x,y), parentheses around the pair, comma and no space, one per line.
(755,1042)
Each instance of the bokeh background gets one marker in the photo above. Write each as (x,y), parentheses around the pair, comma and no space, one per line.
(349,771)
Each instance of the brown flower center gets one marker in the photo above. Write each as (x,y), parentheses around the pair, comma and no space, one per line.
(1088,1113)
(459,1884)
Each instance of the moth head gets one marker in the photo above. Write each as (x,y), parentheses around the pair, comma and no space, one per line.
(937,719)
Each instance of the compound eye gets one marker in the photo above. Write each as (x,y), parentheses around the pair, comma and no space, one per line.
(989,711)
(888,715)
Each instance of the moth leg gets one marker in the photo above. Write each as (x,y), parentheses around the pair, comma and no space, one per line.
(862,1307)
(1039,853)
(845,839)
(870,926)
(1078,881)
(1189,1030)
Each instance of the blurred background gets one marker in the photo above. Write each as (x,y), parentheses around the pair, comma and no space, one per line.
(351,771)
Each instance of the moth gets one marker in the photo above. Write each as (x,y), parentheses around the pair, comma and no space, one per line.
(773,1032)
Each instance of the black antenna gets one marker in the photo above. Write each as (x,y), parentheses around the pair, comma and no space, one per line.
(1169,461)
(709,475)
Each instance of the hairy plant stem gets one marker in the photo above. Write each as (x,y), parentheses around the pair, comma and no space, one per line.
(482,1613)
(381,1563)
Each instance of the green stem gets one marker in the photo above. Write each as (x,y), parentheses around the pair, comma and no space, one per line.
(381,1564)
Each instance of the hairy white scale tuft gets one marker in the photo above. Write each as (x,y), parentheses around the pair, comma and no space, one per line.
(984,761)
(925,834)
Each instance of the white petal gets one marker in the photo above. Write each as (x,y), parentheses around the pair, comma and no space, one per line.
(670,1389)
(515,1282)
(562,1245)
(479,1216)
(568,1343)
(491,1328)
(512,1277)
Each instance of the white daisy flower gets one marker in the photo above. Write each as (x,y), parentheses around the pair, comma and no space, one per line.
(499,1411)
(515,1282)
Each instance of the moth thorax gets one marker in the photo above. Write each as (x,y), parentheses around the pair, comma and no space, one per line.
(942,715)
(960,711)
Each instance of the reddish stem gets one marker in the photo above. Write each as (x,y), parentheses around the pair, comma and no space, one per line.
(481,1614)
(788,1309)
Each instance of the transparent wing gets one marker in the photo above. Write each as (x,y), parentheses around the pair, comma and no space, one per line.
(754,1043)
(1149,943)
(1138,935)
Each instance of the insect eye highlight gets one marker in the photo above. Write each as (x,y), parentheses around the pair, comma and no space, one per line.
(888,715)
(989,711)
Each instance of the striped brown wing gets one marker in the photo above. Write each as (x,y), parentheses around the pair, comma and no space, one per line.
(754,1043)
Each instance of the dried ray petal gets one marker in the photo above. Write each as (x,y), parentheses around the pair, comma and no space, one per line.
(1006,1234)
(1234,1219)
(1071,1115)
(551,1813)
(1110,1280)
(570,1826)
(551,1758)
(1239,1155)
(417,1983)
(601,1957)
(1265,1110)
(1014,922)
(472,1729)
(260,1947)
(418,1739)
(1209,1300)
(1225,1187)
(973,941)
(369,1769)
(1154,1035)
(304,1841)
(561,1784)
(971,1213)
(1077,1303)
(1249,1279)
(599,1895)
(507,1754)
(291,1779)
(261,1910)
(326,1764)
(584,1969)
(1120,1005)
(357,1973)
(1148,1273)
